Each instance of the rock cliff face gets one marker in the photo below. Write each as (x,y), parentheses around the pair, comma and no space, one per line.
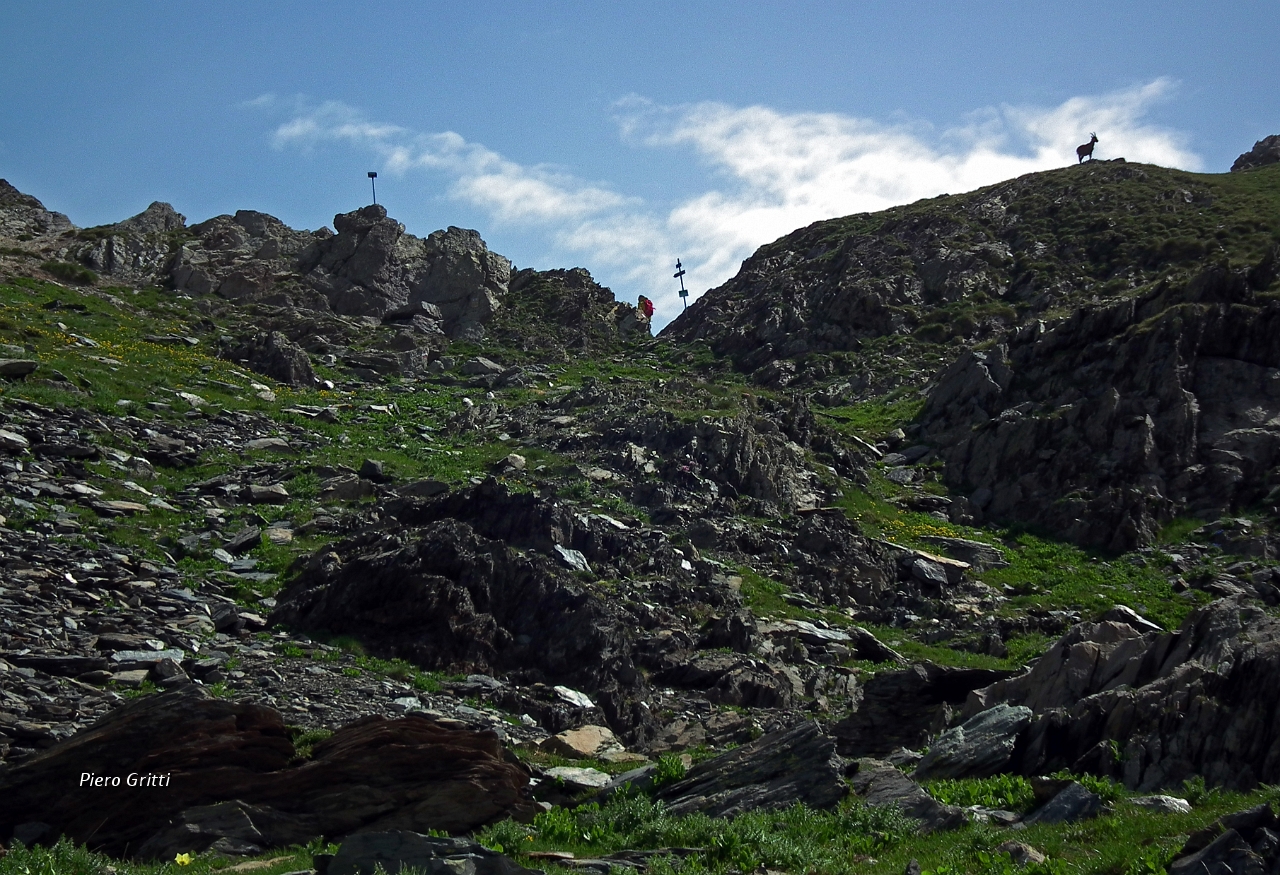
(1118,418)
(1155,708)
(23,217)
(371,266)
(1107,351)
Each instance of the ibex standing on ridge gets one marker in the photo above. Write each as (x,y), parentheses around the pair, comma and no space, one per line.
(1086,151)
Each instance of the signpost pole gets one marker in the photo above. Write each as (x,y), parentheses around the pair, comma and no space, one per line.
(684,293)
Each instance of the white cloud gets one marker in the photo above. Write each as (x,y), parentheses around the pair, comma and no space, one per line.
(771,172)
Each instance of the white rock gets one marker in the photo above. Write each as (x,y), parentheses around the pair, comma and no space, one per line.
(1166,804)
(576,778)
(573,697)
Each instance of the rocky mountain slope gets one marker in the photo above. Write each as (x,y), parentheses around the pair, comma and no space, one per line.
(1093,344)
(289,510)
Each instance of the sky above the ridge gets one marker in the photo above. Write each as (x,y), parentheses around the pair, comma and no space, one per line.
(612,136)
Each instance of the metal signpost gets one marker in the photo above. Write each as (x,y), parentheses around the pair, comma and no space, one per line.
(373,174)
(684,293)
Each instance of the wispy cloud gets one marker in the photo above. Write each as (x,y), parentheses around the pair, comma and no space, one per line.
(770,172)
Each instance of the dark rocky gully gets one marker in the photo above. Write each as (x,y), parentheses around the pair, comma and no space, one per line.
(436,640)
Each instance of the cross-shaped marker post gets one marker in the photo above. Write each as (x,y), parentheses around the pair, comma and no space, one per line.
(684,293)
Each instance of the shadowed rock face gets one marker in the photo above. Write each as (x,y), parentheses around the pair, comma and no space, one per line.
(1117,419)
(1173,704)
(903,708)
(228,774)
(1265,151)
(473,582)
(371,266)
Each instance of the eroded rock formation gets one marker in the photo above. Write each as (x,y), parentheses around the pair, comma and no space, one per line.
(207,771)
(1155,708)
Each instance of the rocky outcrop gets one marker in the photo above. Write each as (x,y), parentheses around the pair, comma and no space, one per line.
(1154,708)
(272,354)
(747,456)
(563,313)
(904,708)
(138,250)
(475,583)
(23,217)
(1265,151)
(1117,419)
(833,285)
(879,784)
(1071,803)
(243,258)
(393,850)
(448,282)
(371,266)
(776,771)
(186,771)
(1242,842)
(979,747)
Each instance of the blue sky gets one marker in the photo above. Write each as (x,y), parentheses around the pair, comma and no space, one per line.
(611,136)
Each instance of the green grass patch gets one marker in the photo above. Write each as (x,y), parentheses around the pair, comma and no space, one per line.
(67,858)
(764,596)
(873,419)
(1007,792)
(797,839)
(1051,575)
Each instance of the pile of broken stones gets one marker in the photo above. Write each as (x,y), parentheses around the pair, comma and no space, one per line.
(483,581)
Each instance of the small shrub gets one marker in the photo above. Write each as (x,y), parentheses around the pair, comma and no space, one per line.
(347,644)
(1199,793)
(670,769)
(1008,792)
(306,740)
(70,273)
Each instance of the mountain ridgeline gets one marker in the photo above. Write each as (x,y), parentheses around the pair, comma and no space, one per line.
(1095,346)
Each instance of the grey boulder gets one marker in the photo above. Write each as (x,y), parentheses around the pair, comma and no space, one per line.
(880,784)
(980,747)
(784,767)
(1074,802)
(395,850)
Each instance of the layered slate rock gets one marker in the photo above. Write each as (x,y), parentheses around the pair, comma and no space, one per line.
(1073,802)
(473,583)
(978,748)
(903,708)
(220,771)
(394,850)
(879,784)
(1122,416)
(1155,709)
(778,770)
(1241,842)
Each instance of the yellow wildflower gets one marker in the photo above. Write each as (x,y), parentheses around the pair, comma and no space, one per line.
(182,859)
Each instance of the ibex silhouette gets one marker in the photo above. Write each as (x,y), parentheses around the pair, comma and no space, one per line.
(1086,151)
